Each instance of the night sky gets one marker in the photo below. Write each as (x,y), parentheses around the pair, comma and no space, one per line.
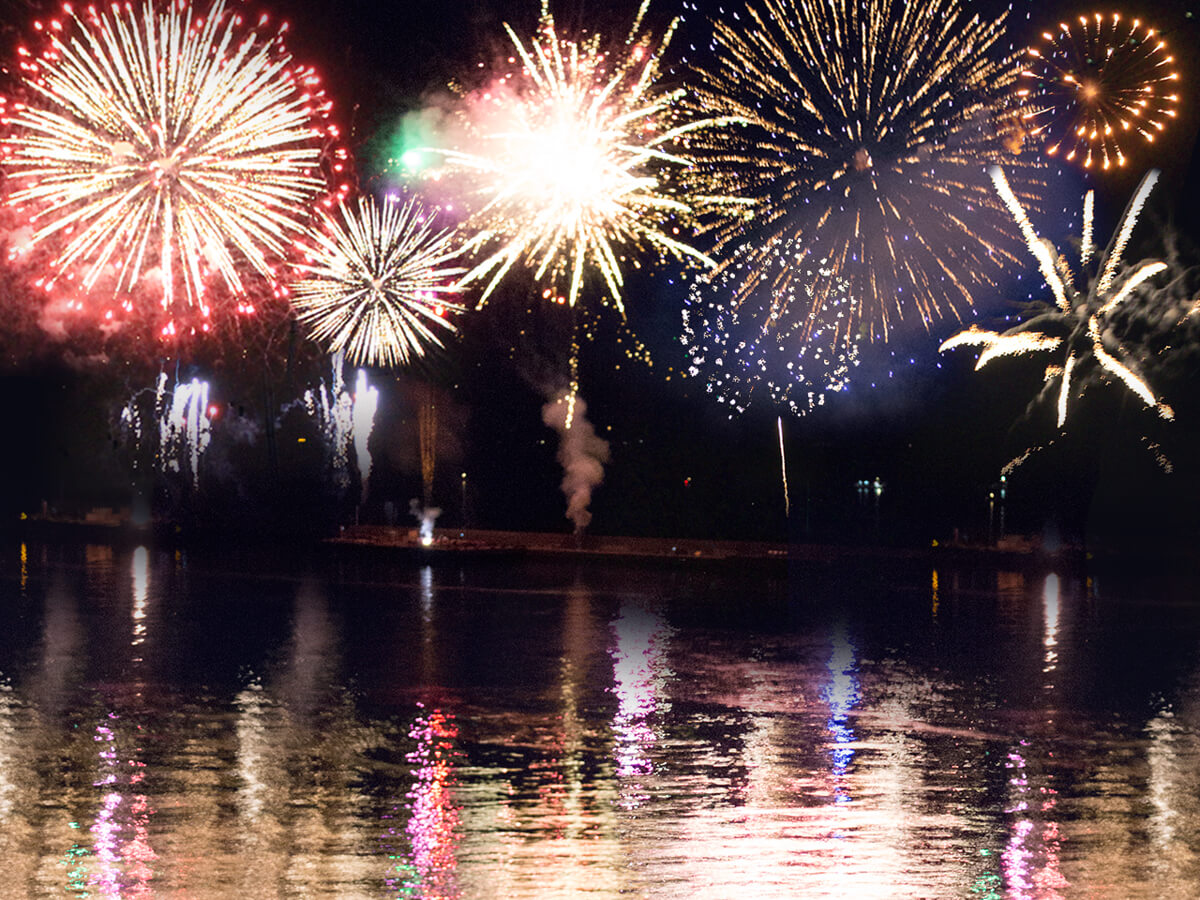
(935,432)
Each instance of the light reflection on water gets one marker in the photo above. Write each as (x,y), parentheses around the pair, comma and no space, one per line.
(641,640)
(842,694)
(173,728)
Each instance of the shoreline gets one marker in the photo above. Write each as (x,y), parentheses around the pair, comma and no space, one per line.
(453,544)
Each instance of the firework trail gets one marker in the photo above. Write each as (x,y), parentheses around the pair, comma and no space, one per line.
(1083,323)
(865,127)
(751,349)
(566,161)
(787,501)
(377,283)
(167,148)
(1095,84)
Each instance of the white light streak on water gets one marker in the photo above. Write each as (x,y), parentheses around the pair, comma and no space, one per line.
(8,750)
(426,597)
(1173,756)
(1050,600)
(141,588)
(640,674)
(1030,861)
(842,694)
(253,752)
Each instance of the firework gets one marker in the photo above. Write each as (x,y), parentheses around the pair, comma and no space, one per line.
(1093,85)
(164,147)
(565,159)
(366,402)
(332,409)
(1080,322)
(346,420)
(787,502)
(865,131)
(184,426)
(748,348)
(378,283)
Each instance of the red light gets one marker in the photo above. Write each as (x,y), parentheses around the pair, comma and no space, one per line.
(213,409)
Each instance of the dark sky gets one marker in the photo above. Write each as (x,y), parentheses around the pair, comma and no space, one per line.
(933,430)
(930,426)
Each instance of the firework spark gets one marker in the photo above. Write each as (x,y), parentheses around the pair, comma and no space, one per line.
(1091,86)
(787,501)
(566,160)
(867,127)
(184,426)
(346,419)
(1080,320)
(379,283)
(747,349)
(165,146)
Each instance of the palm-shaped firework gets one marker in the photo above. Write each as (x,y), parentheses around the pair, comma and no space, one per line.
(379,283)
(1081,320)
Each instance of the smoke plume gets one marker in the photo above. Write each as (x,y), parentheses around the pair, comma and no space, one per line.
(581,453)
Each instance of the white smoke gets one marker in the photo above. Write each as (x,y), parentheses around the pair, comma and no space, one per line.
(426,516)
(581,453)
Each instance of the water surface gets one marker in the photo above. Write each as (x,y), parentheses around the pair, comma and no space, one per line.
(213,726)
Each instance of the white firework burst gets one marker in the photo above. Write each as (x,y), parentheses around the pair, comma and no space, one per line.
(379,283)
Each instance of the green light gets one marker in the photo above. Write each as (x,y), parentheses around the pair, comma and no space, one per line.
(413,160)
(407,147)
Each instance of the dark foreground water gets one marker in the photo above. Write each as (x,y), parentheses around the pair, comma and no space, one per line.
(176,726)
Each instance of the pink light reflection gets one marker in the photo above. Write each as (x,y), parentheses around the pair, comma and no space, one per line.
(121,835)
(1030,860)
(433,829)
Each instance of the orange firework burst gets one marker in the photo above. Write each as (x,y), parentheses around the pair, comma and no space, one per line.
(1096,83)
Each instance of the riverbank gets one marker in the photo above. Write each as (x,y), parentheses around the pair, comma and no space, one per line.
(449,545)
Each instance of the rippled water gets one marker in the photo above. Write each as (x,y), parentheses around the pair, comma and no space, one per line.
(178,726)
